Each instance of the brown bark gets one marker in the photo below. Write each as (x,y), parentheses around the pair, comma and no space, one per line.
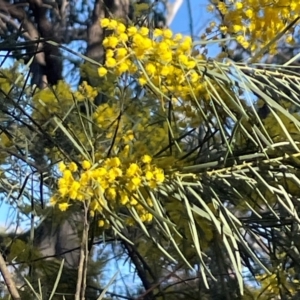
(95,33)
(51,71)
(31,31)
(47,67)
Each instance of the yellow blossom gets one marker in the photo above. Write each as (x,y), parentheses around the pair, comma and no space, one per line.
(53,200)
(136,181)
(112,42)
(178,37)
(99,172)
(109,53)
(142,81)
(238,5)
(112,24)
(157,32)
(121,53)
(150,69)
(113,162)
(167,33)
(131,30)
(104,22)
(73,167)
(114,173)
(237,28)
(110,62)
(223,29)
(144,31)
(86,164)
(133,170)
(159,175)
(249,13)
(111,193)
(149,175)
(63,206)
(222,7)
(149,217)
(123,37)
(67,175)
(101,223)
(75,186)
(146,159)
(133,201)
(124,199)
(122,68)
(164,71)
(61,166)
(121,28)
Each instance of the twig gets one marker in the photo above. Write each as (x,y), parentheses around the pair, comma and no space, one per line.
(110,293)
(81,282)
(150,290)
(8,279)
(132,253)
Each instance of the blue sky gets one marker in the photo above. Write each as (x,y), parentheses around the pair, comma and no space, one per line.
(199,15)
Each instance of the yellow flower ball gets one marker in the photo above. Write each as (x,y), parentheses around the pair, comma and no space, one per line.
(123,37)
(110,62)
(102,71)
(109,53)
(144,31)
(104,22)
(61,166)
(73,167)
(146,159)
(121,53)
(63,206)
(131,30)
(238,5)
(157,32)
(101,223)
(86,165)
(112,24)
(167,33)
(121,28)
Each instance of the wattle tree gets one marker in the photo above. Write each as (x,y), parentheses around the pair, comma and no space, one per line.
(187,166)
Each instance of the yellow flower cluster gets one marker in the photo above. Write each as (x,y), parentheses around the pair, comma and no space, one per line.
(85,91)
(159,57)
(58,99)
(108,184)
(149,133)
(257,20)
(48,101)
(271,285)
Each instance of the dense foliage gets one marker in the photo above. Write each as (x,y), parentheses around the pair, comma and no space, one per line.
(188,166)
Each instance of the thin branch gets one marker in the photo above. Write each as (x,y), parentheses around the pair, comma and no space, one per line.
(81,282)
(59,254)
(8,279)
(132,253)
(20,15)
(110,293)
(154,286)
